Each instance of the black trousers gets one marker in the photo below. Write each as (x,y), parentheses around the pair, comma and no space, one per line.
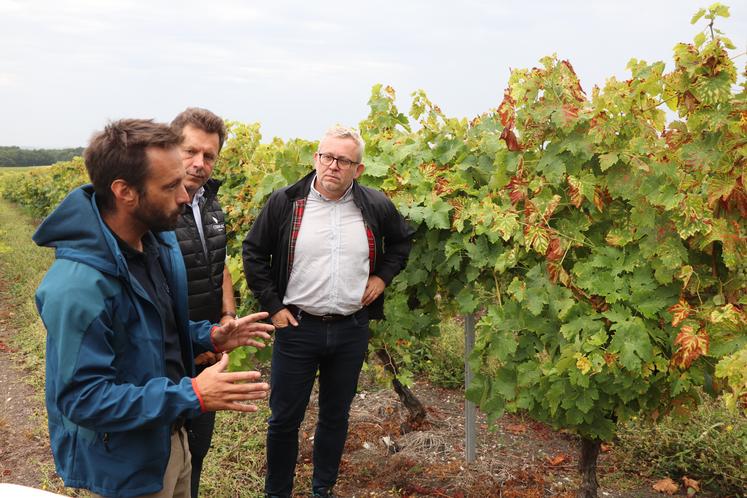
(337,351)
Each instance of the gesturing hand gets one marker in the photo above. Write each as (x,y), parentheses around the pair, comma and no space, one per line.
(242,332)
(221,390)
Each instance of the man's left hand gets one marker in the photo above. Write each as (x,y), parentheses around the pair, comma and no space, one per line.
(374,288)
(242,331)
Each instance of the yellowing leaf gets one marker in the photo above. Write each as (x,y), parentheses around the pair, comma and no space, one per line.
(680,312)
(691,346)
(583,364)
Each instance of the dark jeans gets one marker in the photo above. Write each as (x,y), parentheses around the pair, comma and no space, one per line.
(337,350)
(200,436)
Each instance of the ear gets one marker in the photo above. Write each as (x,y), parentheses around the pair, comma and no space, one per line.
(124,193)
(359,170)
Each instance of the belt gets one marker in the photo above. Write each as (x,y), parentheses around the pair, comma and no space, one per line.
(328,318)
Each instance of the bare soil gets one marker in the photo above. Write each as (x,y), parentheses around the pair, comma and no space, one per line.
(517,457)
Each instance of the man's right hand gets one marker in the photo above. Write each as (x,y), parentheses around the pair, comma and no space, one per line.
(221,390)
(283,318)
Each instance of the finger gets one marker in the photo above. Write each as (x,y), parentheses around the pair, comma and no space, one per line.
(290,319)
(239,407)
(259,328)
(254,317)
(265,329)
(242,376)
(247,396)
(221,365)
(255,344)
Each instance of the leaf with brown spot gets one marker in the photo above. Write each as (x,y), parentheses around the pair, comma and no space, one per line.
(574,192)
(691,346)
(551,207)
(680,312)
(599,199)
(666,486)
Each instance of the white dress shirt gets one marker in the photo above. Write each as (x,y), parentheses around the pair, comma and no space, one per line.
(331,261)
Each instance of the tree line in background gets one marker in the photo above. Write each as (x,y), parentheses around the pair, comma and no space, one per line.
(17,156)
(602,249)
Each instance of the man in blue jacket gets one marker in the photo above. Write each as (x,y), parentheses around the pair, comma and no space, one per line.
(120,380)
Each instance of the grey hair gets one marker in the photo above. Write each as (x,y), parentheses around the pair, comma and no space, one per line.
(351,133)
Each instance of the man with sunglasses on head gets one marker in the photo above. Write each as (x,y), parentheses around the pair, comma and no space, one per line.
(318,258)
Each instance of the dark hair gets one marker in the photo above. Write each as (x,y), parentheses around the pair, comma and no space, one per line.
(119,153)
(202,119)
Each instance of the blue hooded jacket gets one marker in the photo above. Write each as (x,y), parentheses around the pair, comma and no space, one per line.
(110,405)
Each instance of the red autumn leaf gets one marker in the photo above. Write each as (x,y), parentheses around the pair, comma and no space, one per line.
(557,459)
(666,486)
(506,110)
(691,346)
(555,250)
(511,141)
(680,312)
(516,189)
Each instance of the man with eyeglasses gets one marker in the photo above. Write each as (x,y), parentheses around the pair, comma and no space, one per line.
(318,258)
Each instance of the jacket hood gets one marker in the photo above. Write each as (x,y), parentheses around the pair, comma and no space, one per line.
(77,232)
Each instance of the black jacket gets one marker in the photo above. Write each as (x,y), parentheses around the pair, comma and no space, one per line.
(266,249)
(204,264)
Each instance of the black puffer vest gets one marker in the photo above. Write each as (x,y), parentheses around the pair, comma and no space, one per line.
(204,264)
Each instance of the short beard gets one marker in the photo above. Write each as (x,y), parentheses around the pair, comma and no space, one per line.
(155,220)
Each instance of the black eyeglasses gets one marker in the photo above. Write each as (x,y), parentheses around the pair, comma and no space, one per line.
(328,159)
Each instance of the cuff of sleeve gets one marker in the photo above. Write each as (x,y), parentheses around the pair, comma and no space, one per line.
(199,396)
(212,331)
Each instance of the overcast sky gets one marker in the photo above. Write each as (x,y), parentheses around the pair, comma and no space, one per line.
(297,67)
